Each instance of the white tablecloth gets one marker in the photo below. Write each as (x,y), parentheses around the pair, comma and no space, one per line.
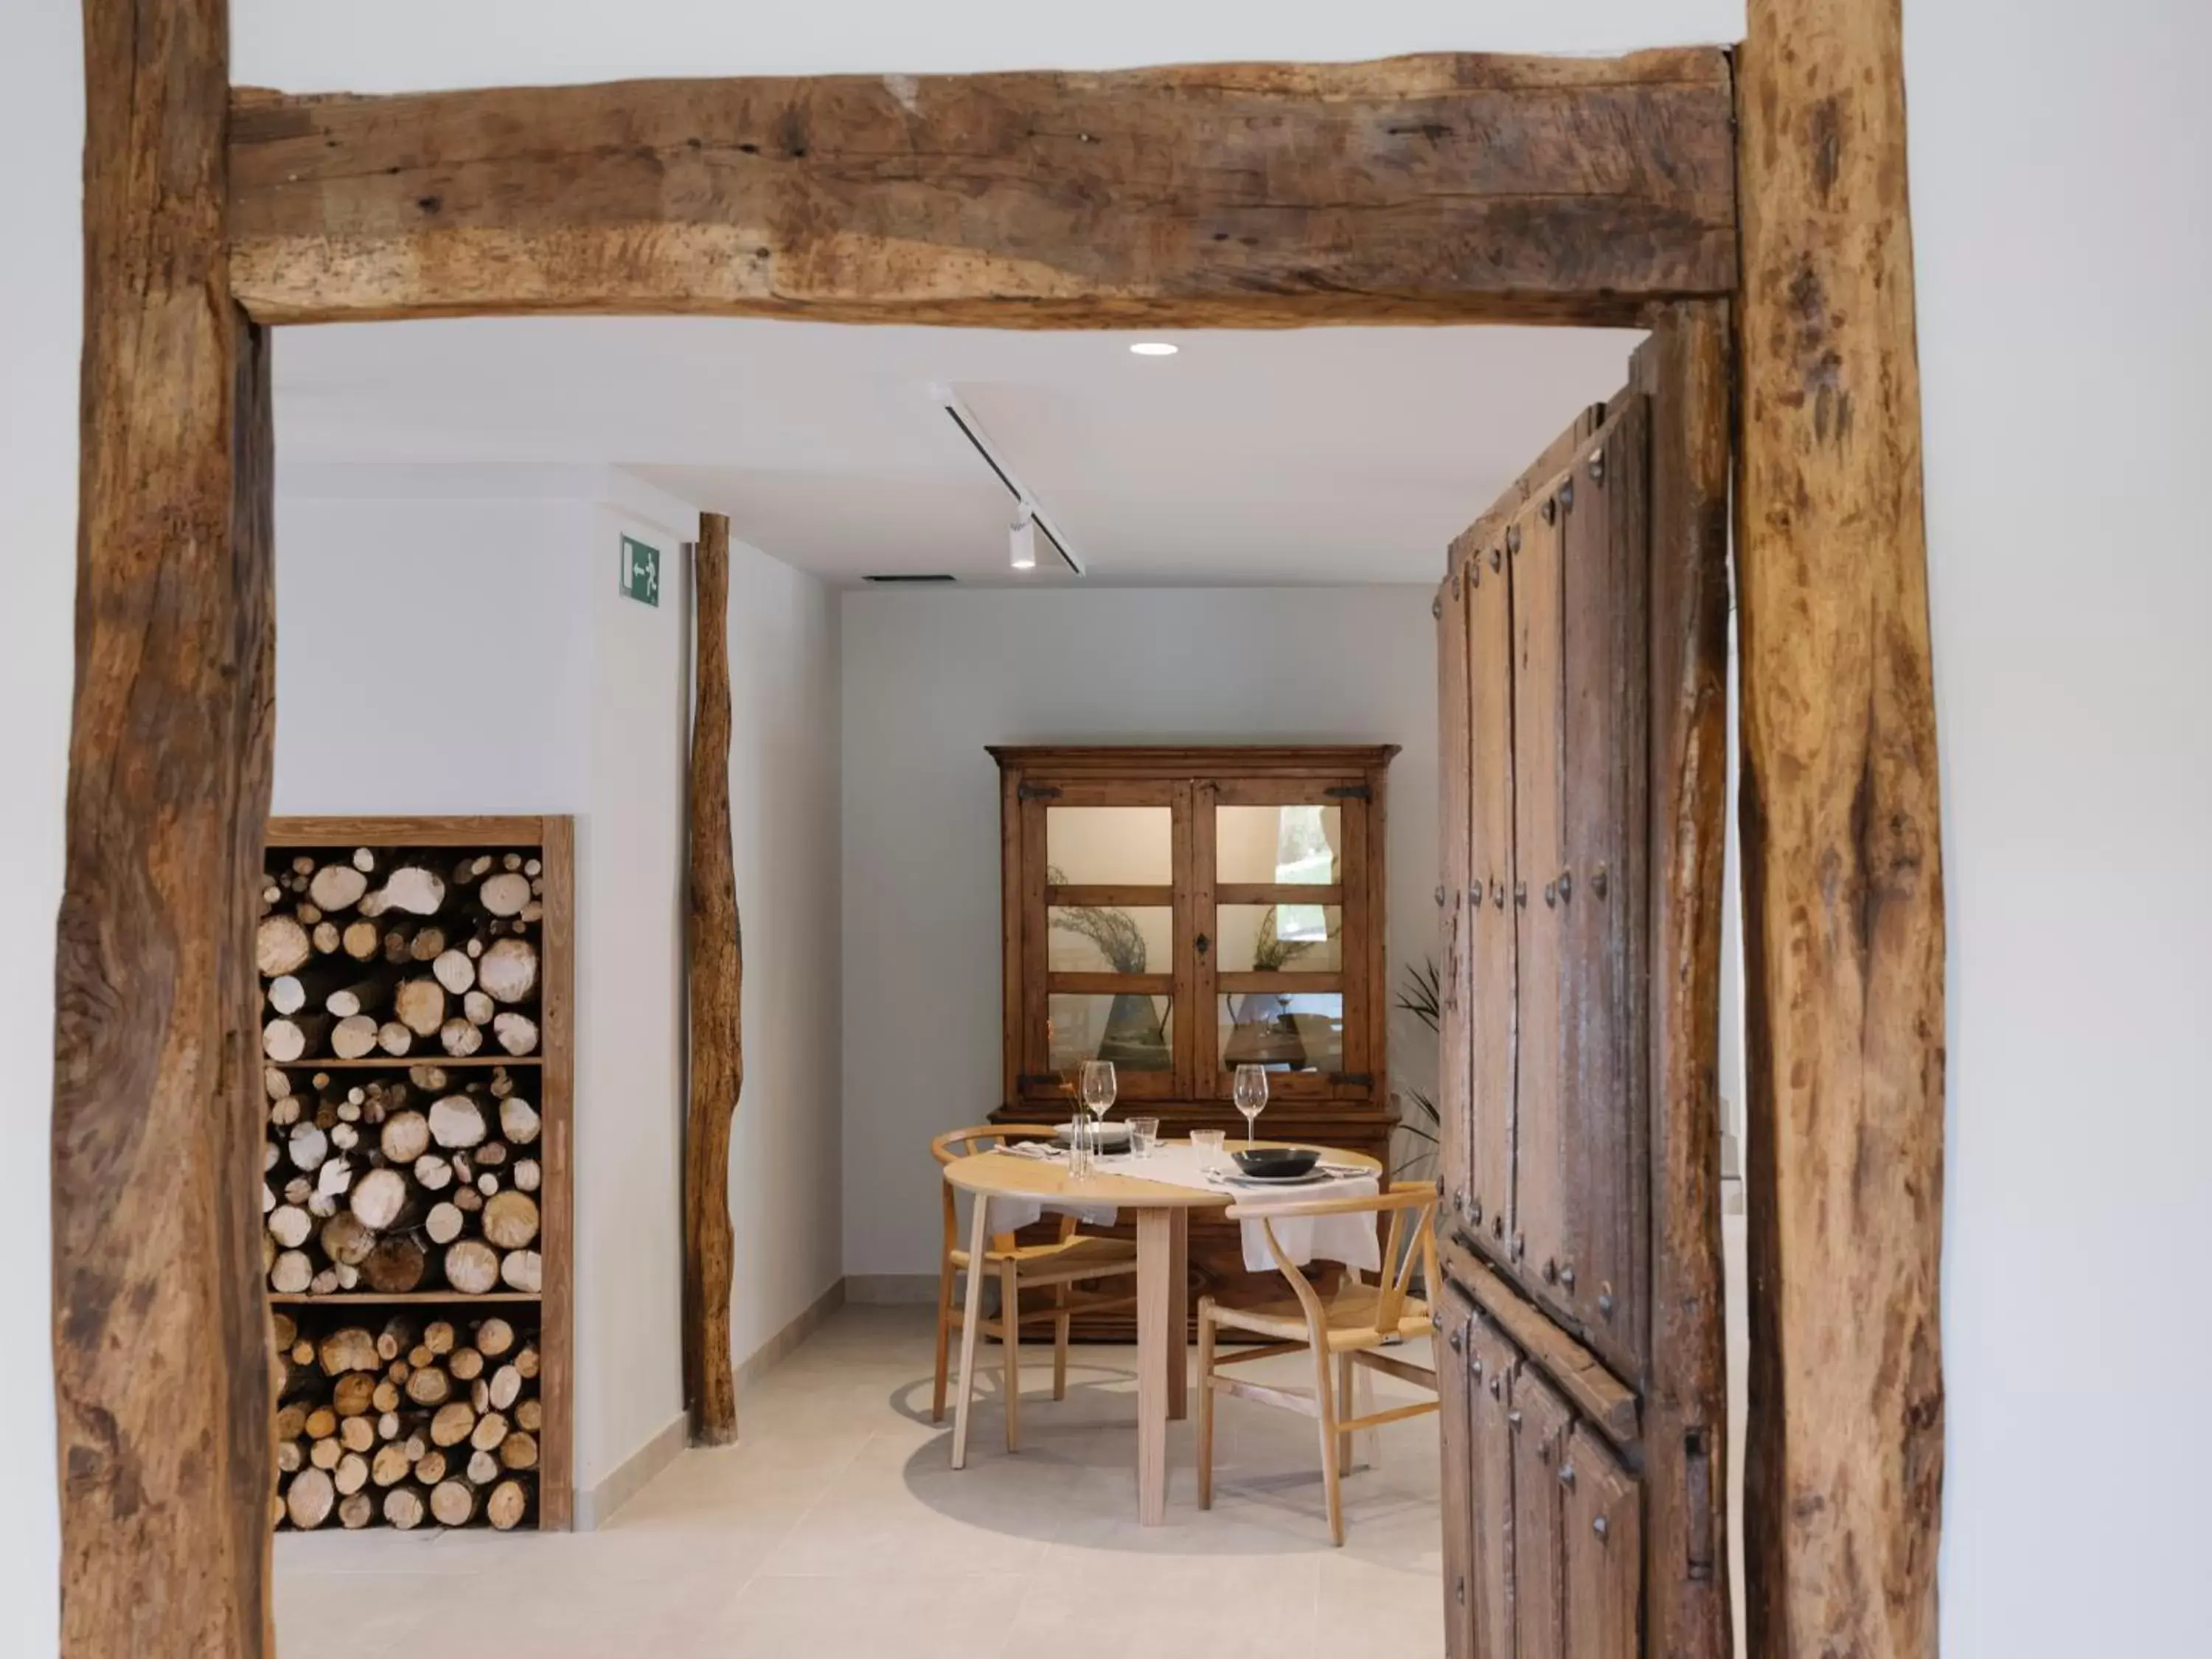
(1350,1239)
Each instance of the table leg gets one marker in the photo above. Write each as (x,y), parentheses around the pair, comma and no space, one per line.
(1154,1252)
(979,1242)
(1178,1354)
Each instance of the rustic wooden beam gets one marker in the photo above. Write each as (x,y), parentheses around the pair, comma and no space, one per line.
(161,1333)
(1842,888)
(1685,368)
(1450,188)
(717,974)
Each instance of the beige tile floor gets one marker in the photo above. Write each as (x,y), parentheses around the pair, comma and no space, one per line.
(837,1528)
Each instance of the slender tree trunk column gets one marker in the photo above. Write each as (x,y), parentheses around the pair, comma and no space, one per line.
(717,1066)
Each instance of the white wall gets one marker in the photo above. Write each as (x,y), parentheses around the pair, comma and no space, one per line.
(2064,425)
(451,640)
(933,676)
(2071,573)
(784,1175)
(41,289)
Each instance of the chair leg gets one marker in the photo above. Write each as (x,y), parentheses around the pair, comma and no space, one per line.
(1060,1326)
(1325,1402)
(1010,1333)
(1344,1458)
(1206,1402)
(944,1337)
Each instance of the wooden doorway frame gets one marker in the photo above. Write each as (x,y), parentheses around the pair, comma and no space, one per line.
(1444,189)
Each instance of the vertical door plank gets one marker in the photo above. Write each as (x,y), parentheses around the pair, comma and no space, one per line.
(1204,1019)
(1013,1030)
(1595,895)
(1455,1154)
(1036,1005)
(1539,1238)
(1540,1420)
(1604,1546)
(1454,1378)
(1355,842)
(1493,1010)
(1492,1362)
(1192,913)
(1843,900)
(161,1344)
(1376,999)
(717,1029)
(1684,367)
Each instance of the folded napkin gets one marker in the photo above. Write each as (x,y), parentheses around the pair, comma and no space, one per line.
(1010,1215)
(1350,1239)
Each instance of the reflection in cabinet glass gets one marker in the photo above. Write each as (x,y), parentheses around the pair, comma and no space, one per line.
(1283,1030)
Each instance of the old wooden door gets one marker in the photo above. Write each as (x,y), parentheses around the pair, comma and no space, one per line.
(1581,634)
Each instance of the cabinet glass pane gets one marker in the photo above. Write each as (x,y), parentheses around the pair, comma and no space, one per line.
(1137,1033)
(1096,846)
(1097,939)
(1300,845)
(1295,1031)
(1280,938)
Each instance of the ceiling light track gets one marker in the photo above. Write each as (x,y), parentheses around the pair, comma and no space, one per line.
(1025,504)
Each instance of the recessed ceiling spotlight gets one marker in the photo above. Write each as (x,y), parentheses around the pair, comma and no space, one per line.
(1155,349)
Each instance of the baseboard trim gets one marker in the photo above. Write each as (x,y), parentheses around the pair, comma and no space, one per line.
(896,1290)
(595,1504)
(809,1320)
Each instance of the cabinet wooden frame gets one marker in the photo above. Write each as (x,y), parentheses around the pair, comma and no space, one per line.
(554,1069)
(1189,785)
(201,231)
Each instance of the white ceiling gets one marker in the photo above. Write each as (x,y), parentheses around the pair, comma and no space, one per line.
(1323,455)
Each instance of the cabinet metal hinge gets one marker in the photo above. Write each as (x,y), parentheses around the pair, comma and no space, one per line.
(1349,791)
(1037,791)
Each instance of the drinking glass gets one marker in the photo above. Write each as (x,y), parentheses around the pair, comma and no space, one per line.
(1251,1097)
(1208,1145)
(1098,1092)
(1144,1135)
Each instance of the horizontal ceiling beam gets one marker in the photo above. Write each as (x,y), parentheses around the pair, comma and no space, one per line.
(1429,189)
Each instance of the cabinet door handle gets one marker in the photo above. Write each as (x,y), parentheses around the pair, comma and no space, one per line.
(1202,942)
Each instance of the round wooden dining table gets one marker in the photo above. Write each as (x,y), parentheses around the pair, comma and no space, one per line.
(1161,1210)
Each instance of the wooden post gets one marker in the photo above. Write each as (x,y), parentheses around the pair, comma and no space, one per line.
(1842,892)
(1685,368)
(718,1063)
(161,1333)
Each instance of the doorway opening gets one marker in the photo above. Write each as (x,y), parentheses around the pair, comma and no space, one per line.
(460,511)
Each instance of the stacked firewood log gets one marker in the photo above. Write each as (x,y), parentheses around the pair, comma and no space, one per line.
(388,1184)
(361,961)
(406,1423)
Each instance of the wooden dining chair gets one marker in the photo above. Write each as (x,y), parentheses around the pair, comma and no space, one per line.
(1058,1265)
(1350,1328)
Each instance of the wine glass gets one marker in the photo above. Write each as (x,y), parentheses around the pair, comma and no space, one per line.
(1098,1092)
(1251,1096)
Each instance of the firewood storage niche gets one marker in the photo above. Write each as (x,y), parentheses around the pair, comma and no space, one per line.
(415,978)
(1181,912)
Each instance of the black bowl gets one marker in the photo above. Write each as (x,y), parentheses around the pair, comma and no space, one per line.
(1282,1161)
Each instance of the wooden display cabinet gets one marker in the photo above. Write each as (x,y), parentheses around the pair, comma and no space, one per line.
(1181,911)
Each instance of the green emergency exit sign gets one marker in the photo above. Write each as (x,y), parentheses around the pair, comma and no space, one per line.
(640,571)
